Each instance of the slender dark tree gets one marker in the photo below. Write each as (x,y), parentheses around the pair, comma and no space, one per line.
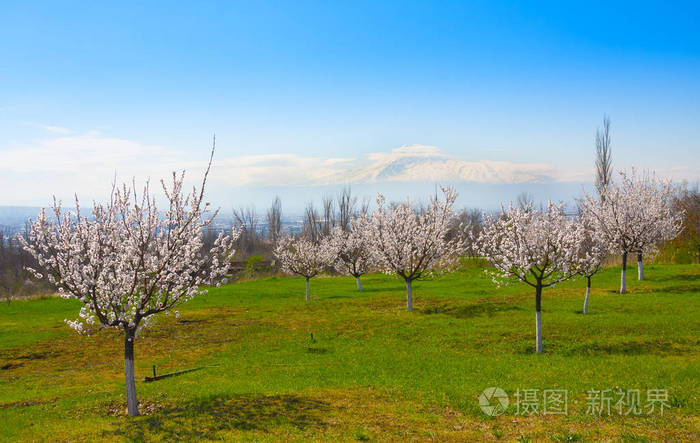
(274,220)
(329,216)
(245,220)
(311,229)
(346,208)
(603,163)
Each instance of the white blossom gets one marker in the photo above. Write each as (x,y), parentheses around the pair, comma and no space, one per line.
(130,260)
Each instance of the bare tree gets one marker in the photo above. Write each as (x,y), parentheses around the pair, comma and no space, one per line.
(687,201)
(525,200)
(311,228)
(346,208)
(15,279)
(328,221)
(364,206)
(274,220)
(245,220)
(603,164)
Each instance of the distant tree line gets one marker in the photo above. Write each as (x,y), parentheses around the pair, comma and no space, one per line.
(15,280)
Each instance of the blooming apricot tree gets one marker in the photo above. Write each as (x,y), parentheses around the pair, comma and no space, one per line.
(304,257)
(414,244)
(130,260)
(636,215)
(539,248)
(592,254)
(355,255)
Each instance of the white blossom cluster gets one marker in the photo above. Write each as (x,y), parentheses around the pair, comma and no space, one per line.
(415,244)
(540,248)
(635,214)
(304,257)
(353,248)
(593,250)
(130,259)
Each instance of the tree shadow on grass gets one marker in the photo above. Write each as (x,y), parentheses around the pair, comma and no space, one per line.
(674,277)
(676,289)
(679,289)
(633,347)
(206,418)
(489,309)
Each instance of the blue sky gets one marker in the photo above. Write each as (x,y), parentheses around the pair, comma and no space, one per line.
(93,87)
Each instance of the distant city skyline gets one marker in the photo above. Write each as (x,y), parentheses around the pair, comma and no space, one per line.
(306,97)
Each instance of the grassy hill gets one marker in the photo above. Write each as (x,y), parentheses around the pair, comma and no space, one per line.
(357,366)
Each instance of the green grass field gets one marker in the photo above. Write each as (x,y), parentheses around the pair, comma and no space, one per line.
(372,370)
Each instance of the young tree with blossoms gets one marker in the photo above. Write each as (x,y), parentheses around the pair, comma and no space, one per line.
(592,254)
(355,254)
(414,244)
(130,260)
(304,257)
(635,215)
(657,219)
(539,248)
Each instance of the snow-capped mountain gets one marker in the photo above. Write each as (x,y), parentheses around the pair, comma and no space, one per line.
(428,163)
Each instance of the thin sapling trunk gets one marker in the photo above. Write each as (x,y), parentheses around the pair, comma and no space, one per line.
(624,272)
(588,293)
(409,295)
(538,316)
(640,266)
(359,283)
(129,378)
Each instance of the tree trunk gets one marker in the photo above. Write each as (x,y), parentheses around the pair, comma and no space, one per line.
(538,317)
(624,271)
(359,283)
(409,296)
(132,405)
(588,293)
(307,288)
(640,266)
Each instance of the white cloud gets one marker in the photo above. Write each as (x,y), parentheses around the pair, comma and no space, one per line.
(87,163)
(84,164)
(57,129)
(87,154)
(277,170)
